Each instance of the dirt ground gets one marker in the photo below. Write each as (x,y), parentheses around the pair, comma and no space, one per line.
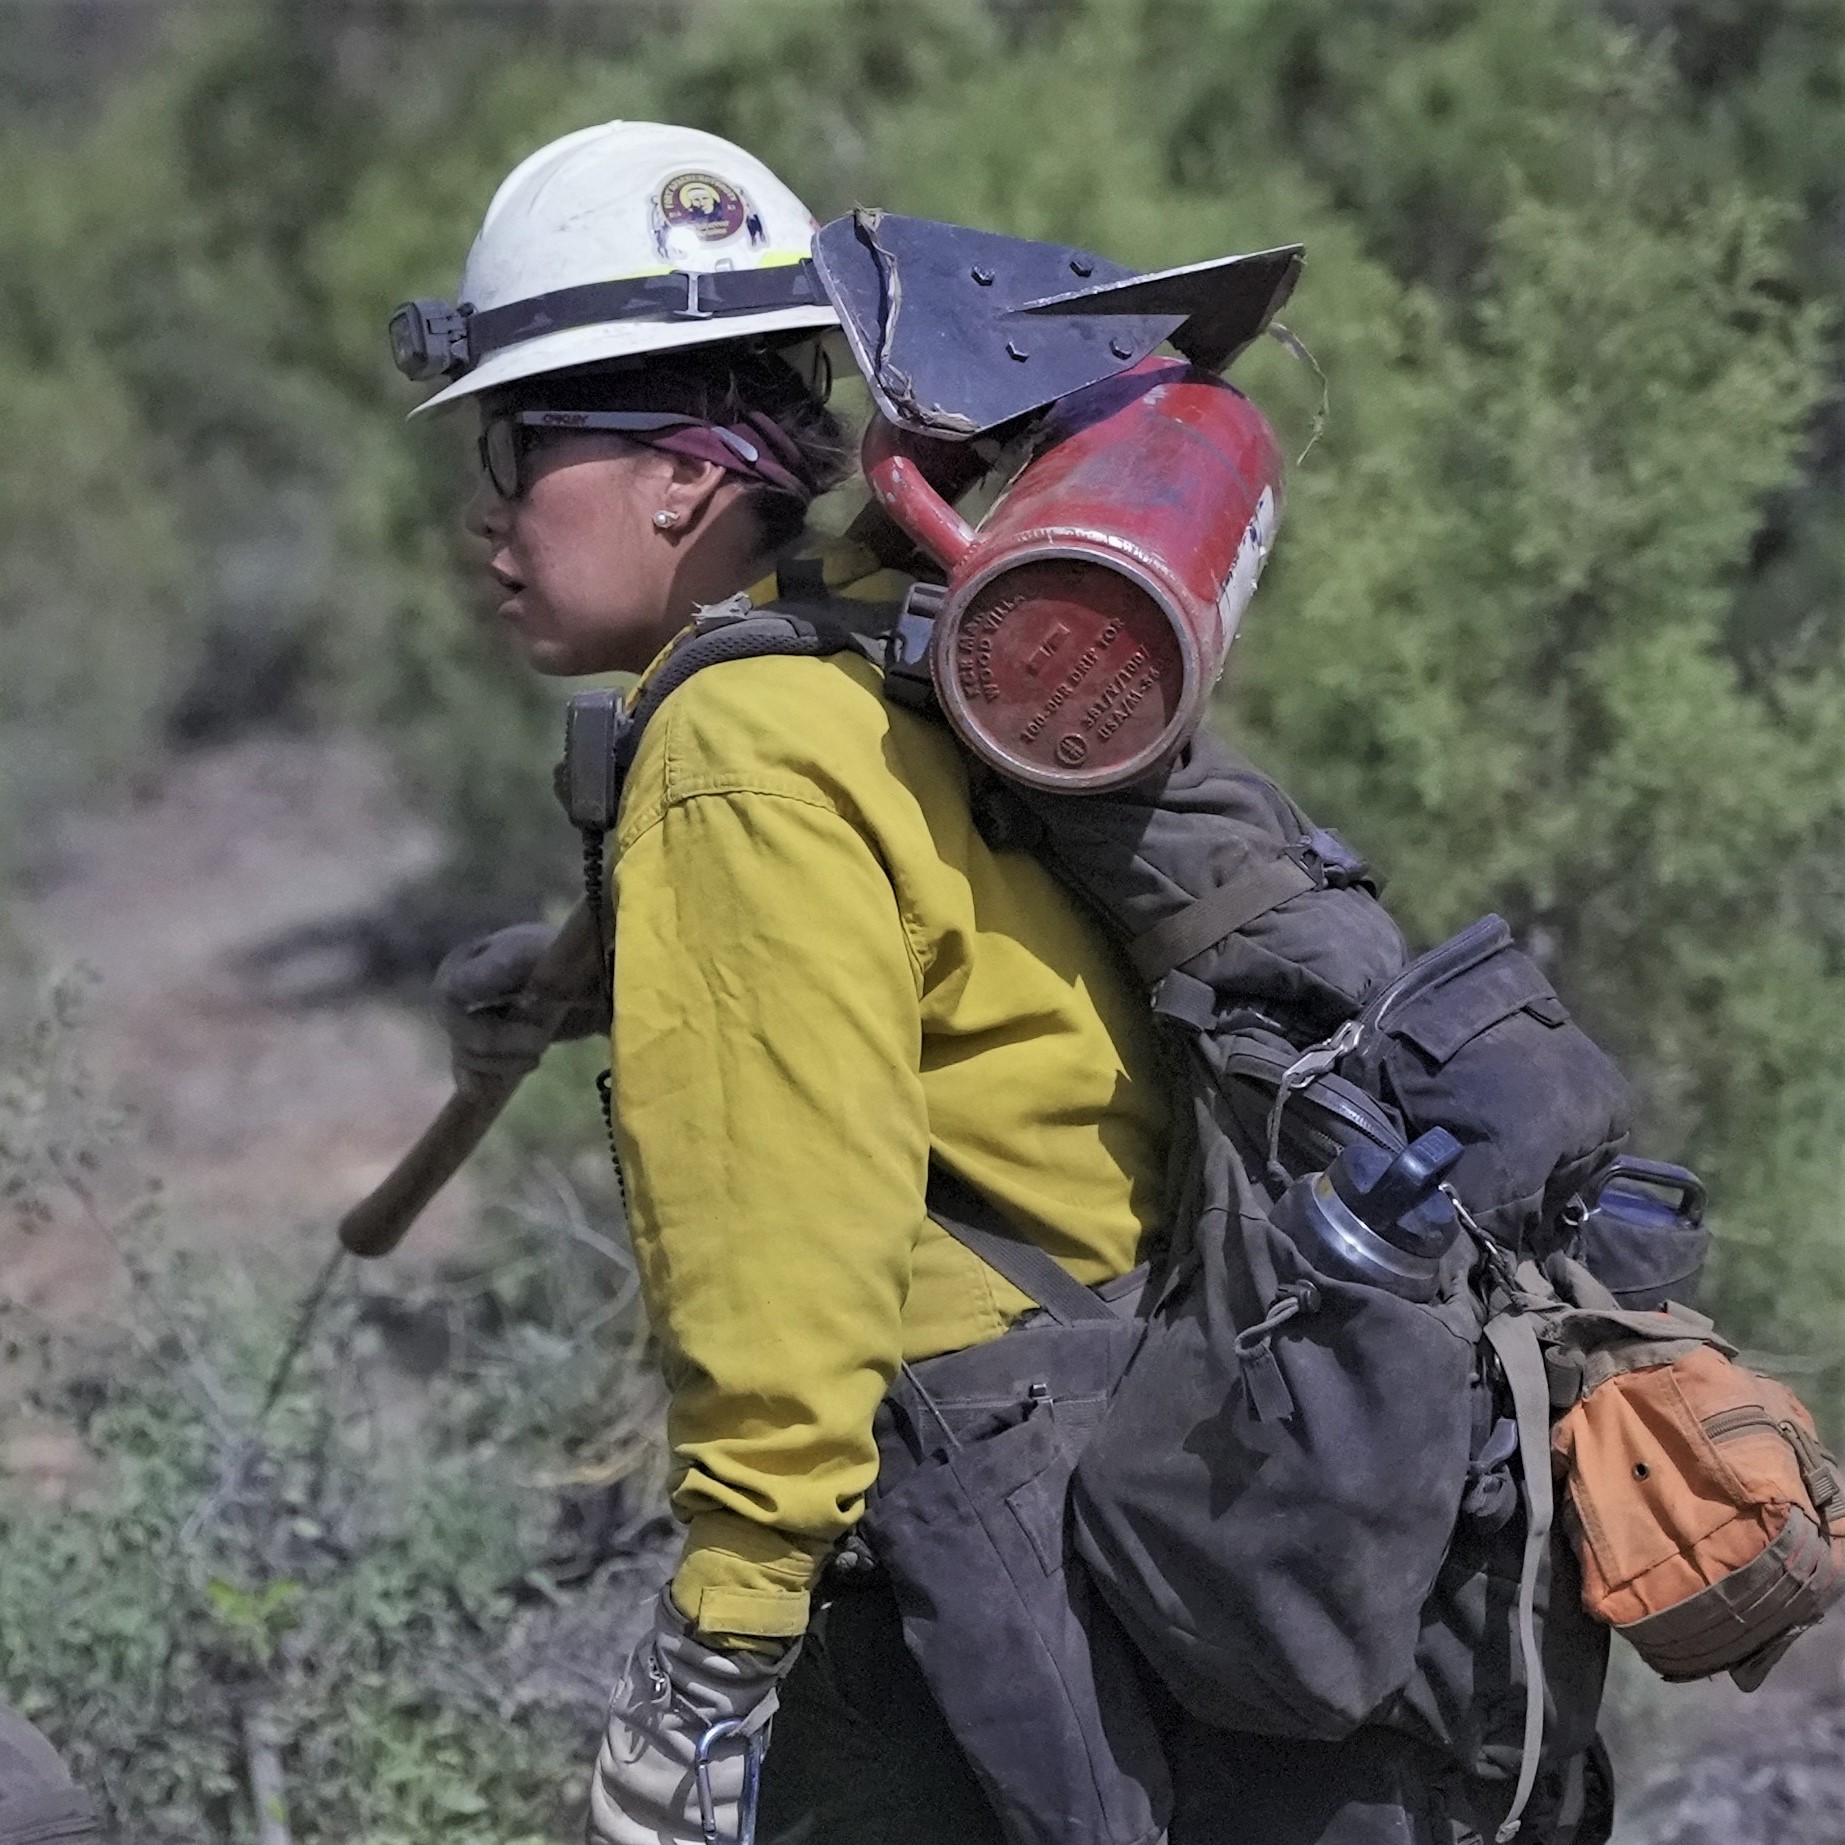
(261,1117)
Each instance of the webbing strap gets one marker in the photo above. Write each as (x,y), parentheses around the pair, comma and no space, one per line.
(1514,1337)
(973,1223)
(678,295)
(1219,913)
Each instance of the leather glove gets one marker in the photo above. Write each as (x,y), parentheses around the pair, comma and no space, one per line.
(674,1688)
(497,1030)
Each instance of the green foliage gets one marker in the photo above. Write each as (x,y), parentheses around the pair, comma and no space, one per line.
(366,1576)
(120,1637)
(1555,623)
(92,552)
(144,502)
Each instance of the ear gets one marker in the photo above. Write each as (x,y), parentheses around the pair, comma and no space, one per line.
(695,490)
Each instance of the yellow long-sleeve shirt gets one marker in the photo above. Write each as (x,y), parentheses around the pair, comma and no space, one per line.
(823,975)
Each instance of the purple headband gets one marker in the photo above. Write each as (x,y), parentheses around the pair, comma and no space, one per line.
(757,448)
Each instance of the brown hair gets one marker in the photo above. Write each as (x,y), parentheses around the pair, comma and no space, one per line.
(723,383)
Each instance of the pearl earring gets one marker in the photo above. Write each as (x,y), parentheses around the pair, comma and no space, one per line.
(665,520)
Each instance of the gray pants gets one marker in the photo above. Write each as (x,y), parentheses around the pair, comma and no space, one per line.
(861,1756)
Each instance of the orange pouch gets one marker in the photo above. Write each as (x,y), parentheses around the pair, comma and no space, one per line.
(1703,1509)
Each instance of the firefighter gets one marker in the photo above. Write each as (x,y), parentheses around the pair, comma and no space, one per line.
(825,977)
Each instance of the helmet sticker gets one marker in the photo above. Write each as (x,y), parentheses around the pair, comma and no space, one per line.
(701,208)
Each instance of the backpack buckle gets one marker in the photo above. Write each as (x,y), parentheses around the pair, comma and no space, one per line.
(1186,1000)
(1314,1063)
(1340,867)
(725,614)
(1305,1070)
(907,678)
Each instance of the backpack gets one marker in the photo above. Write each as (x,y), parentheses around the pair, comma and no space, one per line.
(1315,1505)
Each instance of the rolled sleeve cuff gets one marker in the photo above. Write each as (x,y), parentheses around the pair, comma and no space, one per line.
(744,1580)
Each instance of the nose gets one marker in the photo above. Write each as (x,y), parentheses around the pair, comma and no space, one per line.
(487,515)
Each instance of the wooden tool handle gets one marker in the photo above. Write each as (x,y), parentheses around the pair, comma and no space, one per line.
(377,1223)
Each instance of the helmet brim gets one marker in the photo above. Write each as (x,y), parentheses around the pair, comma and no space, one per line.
(574,346)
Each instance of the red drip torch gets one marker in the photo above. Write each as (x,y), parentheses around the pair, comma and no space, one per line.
(1089,614)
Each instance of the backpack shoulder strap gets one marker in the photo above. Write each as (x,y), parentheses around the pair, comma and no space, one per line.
(603,728)
(737,630)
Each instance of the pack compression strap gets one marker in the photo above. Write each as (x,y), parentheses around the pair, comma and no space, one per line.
(1219,913)
(1513,1336)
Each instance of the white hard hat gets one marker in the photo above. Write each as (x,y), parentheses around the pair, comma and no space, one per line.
(620,240)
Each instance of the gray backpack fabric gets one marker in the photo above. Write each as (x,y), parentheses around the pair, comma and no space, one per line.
(1269,955)
(1304,1504)
(968,1519)
(39,1804)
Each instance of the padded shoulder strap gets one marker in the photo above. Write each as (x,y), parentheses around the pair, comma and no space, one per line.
(737,631)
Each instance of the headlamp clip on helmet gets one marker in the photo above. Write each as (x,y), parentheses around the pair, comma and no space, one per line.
(429,339)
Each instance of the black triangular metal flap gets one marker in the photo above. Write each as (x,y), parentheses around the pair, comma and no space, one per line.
(1223,304)
(932,314)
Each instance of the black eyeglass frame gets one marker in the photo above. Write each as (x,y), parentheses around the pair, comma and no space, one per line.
(504,443)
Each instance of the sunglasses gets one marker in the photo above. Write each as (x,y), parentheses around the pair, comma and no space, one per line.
(506,439)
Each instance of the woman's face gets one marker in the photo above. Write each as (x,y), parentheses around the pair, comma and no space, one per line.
(590,582)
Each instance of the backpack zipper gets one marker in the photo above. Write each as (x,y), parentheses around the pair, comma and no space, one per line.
(1480,939)
(1745,1416)
(1818,1471)
(1370,1123)
(1336,1097)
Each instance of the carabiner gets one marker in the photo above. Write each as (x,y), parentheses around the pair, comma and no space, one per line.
(757,1741)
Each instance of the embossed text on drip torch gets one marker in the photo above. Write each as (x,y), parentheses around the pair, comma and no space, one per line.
(1084,664)
(974,649)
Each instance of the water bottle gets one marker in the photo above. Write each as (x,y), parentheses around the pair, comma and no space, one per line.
(1376,1216)
(1640,1231)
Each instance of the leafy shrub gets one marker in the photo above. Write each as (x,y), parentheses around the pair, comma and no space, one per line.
(372,1580)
